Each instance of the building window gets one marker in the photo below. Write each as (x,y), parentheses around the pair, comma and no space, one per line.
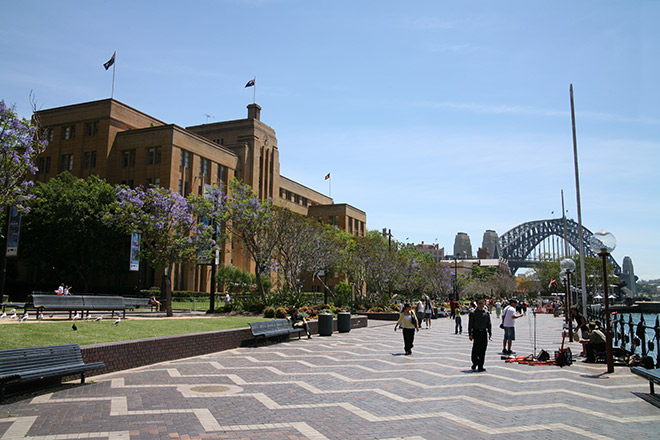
(92,162)
(149,181)
(92,128)
(180,186)
(48,135)
(47,167)
(128,158)
(69,132)
(222,173)
(66,162)
(86,159)
(156,181)
(183,152)
(159,154)
(151,152)
(187,159)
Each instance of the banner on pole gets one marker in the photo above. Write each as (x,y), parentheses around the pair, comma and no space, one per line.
(135,252)
(13,232)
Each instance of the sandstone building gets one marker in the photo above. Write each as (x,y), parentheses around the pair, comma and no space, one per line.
(126,146)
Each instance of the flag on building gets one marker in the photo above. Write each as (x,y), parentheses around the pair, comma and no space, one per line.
(110,62)
(250,83)
(327,176)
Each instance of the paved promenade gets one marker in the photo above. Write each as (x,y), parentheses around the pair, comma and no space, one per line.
(355,385)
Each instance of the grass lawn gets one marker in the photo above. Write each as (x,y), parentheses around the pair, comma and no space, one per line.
(52,332)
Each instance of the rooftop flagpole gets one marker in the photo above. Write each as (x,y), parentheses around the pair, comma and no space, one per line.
(254,92)
(327,177)
(107,65)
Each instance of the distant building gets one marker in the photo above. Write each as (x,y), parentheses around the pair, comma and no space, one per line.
(436,252)
(462,246)
(491,242)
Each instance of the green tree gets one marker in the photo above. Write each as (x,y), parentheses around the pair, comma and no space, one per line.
(64,235)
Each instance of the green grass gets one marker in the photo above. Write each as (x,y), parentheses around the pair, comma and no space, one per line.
(47,332)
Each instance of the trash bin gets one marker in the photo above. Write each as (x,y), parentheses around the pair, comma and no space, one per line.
(325,324)
(344,322)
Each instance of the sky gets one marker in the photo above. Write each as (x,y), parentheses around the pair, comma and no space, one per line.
(433,117)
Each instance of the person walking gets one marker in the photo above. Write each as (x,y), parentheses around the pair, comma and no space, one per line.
(508,324)
(409,325)
(458,322)
(480,332)
(428,313)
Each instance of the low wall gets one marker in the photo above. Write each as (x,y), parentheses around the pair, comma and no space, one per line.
(132,354)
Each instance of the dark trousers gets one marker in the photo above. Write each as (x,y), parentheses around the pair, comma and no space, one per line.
(479,345)
(592,349)
(303,325)
(408,339)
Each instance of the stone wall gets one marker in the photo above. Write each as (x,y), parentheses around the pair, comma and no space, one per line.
(132,354)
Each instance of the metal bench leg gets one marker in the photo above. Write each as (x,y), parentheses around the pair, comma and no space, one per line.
(652,387)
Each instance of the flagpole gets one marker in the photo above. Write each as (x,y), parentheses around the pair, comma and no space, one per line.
(114,66)
(254,92)
(330,187)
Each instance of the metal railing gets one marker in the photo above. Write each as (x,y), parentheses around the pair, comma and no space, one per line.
(634,336)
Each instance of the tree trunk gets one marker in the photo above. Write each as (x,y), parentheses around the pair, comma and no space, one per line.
(166,291)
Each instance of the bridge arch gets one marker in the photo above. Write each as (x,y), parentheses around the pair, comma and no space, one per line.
(517,244)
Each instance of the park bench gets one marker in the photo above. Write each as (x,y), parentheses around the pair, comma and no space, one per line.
(36,363)
(275,328)
(132,303)
(75,303)
(652,375)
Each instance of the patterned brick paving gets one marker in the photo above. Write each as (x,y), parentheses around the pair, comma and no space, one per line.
(355,385)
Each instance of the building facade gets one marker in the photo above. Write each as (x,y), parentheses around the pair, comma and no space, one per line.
(126,146)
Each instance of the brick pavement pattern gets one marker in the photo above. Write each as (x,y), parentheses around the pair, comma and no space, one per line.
(355,385)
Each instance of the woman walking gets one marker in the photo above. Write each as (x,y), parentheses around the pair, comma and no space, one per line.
(428,313)
(408,323)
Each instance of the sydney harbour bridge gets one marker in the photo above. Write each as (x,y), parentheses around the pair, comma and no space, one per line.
(540,240)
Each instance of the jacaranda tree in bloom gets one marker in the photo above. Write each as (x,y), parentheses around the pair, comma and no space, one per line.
(249,219)
(170,232)
(19,146)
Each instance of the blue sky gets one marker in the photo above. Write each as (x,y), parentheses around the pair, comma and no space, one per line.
(434,117)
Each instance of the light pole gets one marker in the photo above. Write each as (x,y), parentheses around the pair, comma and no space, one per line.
(456,279)
(603,243)
(567,266)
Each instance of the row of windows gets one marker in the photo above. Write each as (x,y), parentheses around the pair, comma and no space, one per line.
(69,131)
(293,197)
(185,160)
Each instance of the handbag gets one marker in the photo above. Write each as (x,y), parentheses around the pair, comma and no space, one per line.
(502,326)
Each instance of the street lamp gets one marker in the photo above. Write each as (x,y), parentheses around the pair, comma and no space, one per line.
(567,266)
(603,243)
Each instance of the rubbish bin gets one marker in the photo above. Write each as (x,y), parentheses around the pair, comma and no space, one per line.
(325,324)
(344,322)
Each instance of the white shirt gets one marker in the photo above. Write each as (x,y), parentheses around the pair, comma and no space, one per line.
(507,315)
(420,306)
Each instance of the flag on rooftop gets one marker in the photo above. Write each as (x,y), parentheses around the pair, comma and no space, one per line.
(250,83)
(327,176)
(110,62)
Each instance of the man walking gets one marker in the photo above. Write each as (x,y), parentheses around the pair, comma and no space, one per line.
(508,324)
(480,332)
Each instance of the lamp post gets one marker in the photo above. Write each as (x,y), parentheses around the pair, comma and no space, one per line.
(603,243)
(567,267)
(456,279)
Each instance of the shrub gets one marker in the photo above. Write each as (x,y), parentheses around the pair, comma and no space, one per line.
(269,312)
(280,312)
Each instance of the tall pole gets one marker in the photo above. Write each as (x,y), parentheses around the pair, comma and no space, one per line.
(608,332)
(579,209)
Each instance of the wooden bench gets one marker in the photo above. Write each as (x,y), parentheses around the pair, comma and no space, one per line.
(276,328)
(652,375)
(75,303)
(35,363)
